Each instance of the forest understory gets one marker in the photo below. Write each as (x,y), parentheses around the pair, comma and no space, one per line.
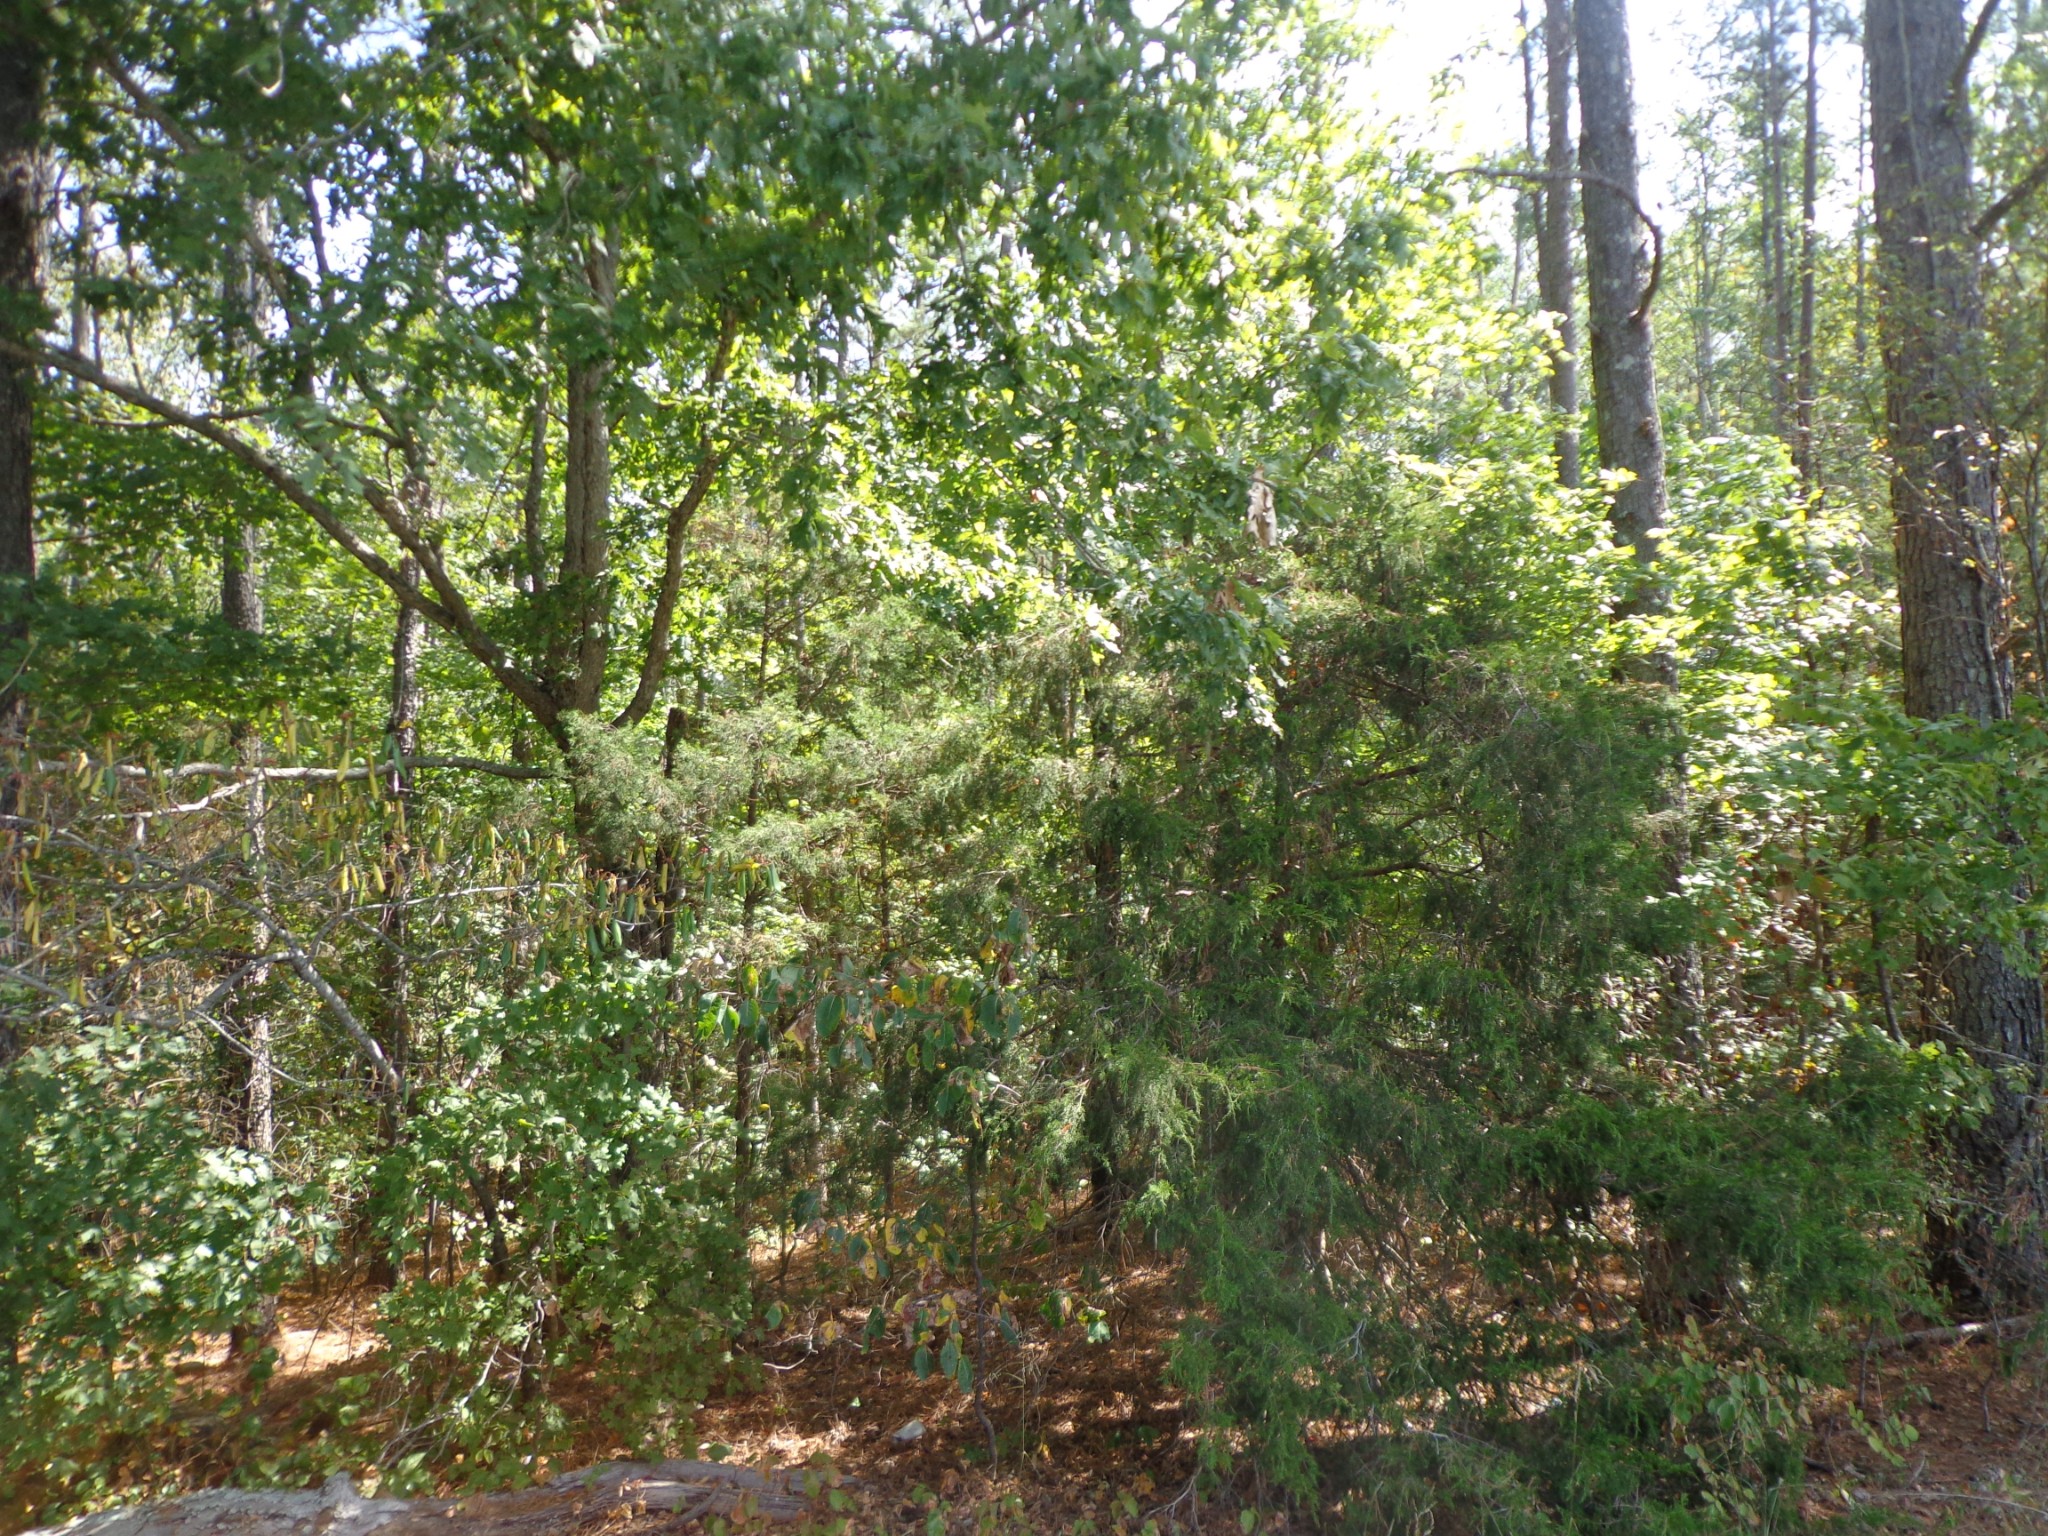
(988,752)
(1089,1439)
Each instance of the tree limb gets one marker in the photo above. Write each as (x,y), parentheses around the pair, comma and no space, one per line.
(1959,82)
(2015,194)
(1593,179)
(655,663)
(455,618)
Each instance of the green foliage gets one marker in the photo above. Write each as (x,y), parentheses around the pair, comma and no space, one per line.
(127,1234)
(582,1203)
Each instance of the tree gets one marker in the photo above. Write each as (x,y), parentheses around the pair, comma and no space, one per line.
(1952,609)
(1620,279)
(1554,279)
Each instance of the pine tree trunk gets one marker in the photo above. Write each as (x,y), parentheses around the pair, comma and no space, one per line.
(1554,281)
(1617,277)
(1951,589)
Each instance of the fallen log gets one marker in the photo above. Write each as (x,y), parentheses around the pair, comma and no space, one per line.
(676,1492)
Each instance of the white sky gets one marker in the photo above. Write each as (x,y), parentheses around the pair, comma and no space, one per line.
(1450,72)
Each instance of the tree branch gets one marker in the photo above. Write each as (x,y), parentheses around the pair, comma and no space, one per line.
(136,772)
(454,618)
(1959,82)
(1592,179)
(2015,194)
(655,663)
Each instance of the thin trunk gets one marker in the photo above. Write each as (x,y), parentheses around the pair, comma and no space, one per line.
(394,970)
(1776,201)
(586,503)
(1863,217)
(534,495)
(253,1081)
(1554,279)
(1952,610)
(1703,301)
(1809,187)
(22,81)
(1528,205)
(22,70)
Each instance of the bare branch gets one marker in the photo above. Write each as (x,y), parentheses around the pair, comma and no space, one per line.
(1959,82)
(2015,194)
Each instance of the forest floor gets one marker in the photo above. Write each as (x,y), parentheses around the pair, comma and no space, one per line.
(1092,1443)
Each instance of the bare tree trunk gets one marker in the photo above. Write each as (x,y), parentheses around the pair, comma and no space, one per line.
(253,1080)
(586,503)
(1554,282)
(1528,205)
(1617,280)
(1951,585)
(1704,290)
(1803,448)
(22,68)
(1777,202)
(1625,401)
(22,191)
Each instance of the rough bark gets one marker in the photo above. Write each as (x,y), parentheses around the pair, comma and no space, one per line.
(1617,275)
(586,505)
(1951,588)
(1554,277)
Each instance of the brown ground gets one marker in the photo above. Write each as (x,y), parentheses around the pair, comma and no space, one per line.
(1980,1464)
(1091,1442)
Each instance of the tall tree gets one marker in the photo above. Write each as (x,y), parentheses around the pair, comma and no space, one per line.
(1951,591)
(1619,279)
(1554,280)
(22,86)
(1809,192)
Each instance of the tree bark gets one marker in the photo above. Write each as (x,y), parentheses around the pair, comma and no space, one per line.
(252,1079)
(22,83)
(1617,275)
(586,502)
(1951,587)
(1803,448)
(1554,278)
(22,72)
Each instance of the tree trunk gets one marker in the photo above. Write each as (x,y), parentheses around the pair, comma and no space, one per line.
(22,68)
(1809,188)
(1776,203)
(1951,588)
(1617,279)
(253,1080)
(1554,282)
(586,501)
